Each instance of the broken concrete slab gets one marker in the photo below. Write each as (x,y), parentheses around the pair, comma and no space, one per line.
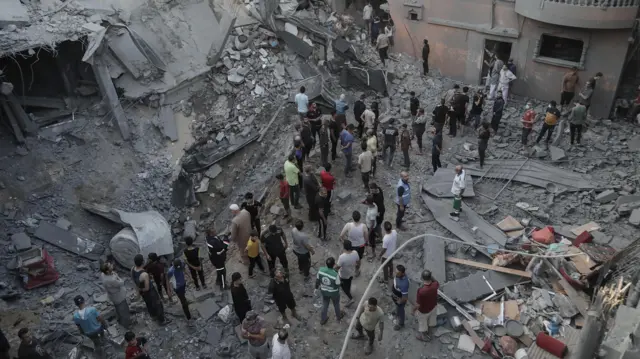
(485,232)
(13,13)
(204,185)
(474,286)
(466,343)
(626,204)
(439,184)
(296,44)
(167,121)
(63,223)
(208,308)
(433,258)
(634,218)
(21,241)
(68,241)
(214,335)
(618,340)
(213,171)
(634,143)
(607,196)
(557,153)
(125,50)
(108,91)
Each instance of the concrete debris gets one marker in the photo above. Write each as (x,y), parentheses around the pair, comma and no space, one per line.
(607,196)
(204,186)
(167,121)
(465,343)
(68,241)
(634,218)
(111,97)
(213,171)
(557,154)
(21,241)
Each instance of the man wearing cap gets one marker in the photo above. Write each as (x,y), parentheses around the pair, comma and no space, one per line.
(254,330)
(240,228)
(90,322)
(275,244)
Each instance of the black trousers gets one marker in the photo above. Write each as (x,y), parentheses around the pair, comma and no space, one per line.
(315,131)
(525,135)
(304,263)
(371,334)
(160,284)
(435,160)
(180,292)
(453,128)
(576,131)
(387,270)
(322,228)
(255,224)
(566,97)
(425,66)
(365,179)
(383,54)
(405,154)
(324,154)
(380,217)
(253,262)
(221,270)
(400,215)
(154,304)
(548,129)
(495,121)
(419,130)
(294,195)
(195,274)
(482,152)
(360,125)
(272,262)
(334,146)
(345,284)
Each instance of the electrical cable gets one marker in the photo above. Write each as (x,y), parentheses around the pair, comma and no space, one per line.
(423,236)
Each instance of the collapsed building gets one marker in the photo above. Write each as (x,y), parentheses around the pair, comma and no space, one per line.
(544,38)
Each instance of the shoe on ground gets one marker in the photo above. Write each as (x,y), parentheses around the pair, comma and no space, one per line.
(368,349)
(350,302)
(398,327)
(323,322)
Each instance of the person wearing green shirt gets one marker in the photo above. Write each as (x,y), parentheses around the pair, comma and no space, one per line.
(577,118)
(292,175)
(328,281)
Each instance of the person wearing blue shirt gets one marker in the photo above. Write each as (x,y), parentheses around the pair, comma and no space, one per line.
(90,322)
(341,105)
(346,141)
(400,295)
(176,277)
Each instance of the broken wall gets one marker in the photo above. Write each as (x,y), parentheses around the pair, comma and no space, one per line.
(457,30)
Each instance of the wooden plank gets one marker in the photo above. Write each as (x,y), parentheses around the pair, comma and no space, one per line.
(46,102)
(23,119)
(517,272)
(588,227)
(12,121)
(472,333)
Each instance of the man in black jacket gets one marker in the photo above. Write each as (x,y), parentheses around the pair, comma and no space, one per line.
(358,109)
(4,346)
(414,103)
(217,246)
(253,207)
(425,57)
(440,115)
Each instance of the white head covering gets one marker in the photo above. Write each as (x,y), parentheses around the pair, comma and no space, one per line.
(234,207)
(342,97)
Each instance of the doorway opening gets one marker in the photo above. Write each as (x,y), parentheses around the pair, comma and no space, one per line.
(501,49)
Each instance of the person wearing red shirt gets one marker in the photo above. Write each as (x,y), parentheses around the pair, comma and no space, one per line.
(135,347)
(284,194)
(328,182)
(426,303)
(527,123)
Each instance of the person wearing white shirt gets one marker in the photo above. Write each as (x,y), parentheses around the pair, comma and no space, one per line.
(280,347)
(367,13)
(302,101)
(504,82)
(389,242)
(370,217)
(358,234)
(457,188)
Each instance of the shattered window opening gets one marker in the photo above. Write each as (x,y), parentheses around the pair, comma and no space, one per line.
(413,16)
(561,48)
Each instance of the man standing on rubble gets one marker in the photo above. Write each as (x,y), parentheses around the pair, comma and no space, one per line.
(328,182)
(414,105)
(425,57)
(494,76)
(367,14)
(302,101)
(253,207)
(400,295)
(527,123)
(378,198)
(425,307)
(328,281)
(311,187)
(436,149)
(323,134)
(336,126)
(29,347)
(114,286)
(498,108)
(577,118)
(147,291)
(550,122)
(457,188)
(403,198)
(506,78)
(346,143)
(419,127)
(459,104)
(369,317)
(241,226)
(372,146)
(405,144)
(274,244)
(218,246)
(90,322)
(390,139)
(368,118)
(341,105)
(291,172)
(569,83)
(440,115)
(365,162)
(358,108)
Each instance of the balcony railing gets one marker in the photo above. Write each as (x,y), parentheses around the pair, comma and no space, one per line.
(590,14)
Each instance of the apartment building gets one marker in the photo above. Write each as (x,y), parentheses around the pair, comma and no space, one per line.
(545,38)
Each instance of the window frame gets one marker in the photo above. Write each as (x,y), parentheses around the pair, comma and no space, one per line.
(559,62)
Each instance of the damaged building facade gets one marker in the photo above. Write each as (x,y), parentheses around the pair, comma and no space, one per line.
(545,38)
